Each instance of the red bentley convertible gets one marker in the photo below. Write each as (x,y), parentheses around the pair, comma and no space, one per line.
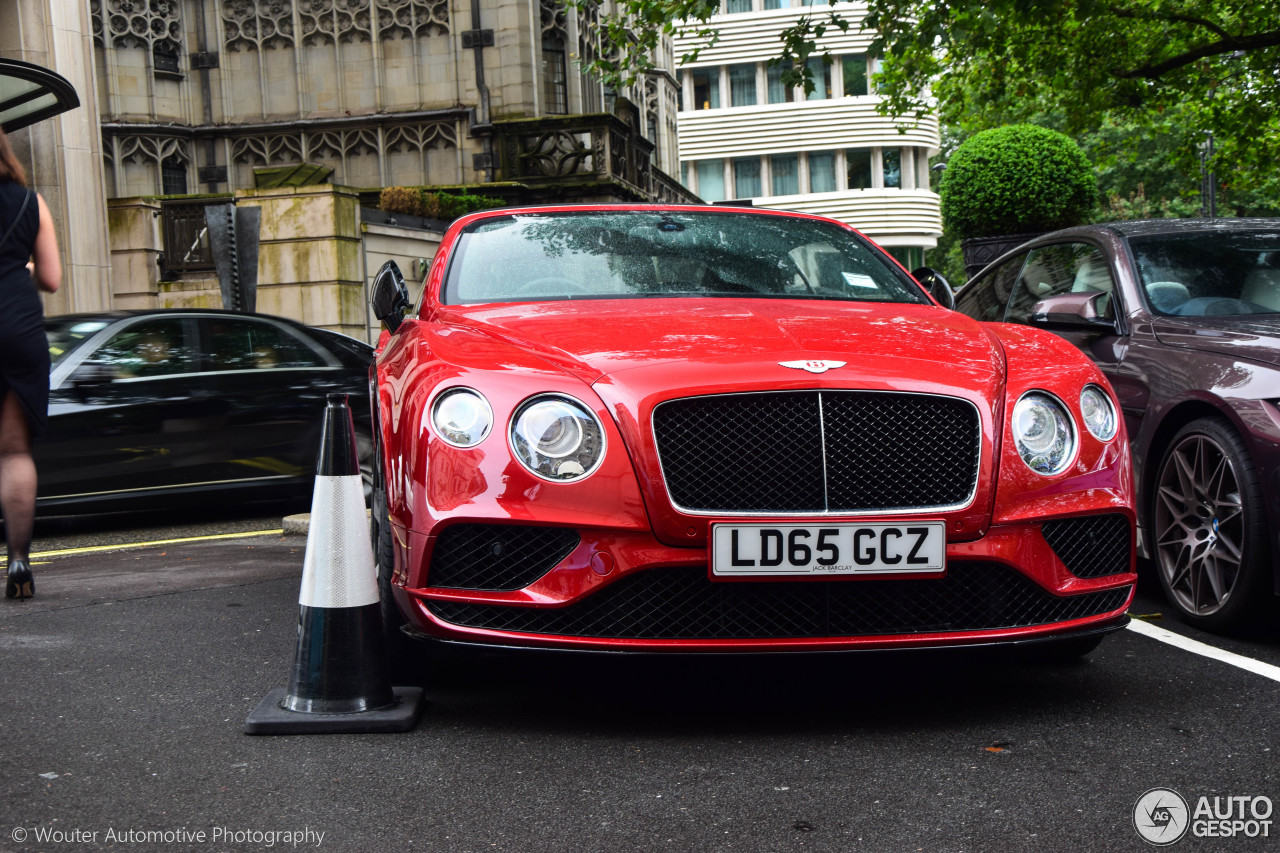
(716,429)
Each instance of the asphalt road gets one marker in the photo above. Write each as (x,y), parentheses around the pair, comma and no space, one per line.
(124,686)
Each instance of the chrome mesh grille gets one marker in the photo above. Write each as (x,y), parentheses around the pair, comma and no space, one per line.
(818,451)
(683,604)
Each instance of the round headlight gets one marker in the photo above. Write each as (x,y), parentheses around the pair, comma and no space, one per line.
(462,417)
(557,438)
(1098,413)
(1043,432)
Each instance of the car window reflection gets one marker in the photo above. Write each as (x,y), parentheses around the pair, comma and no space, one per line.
(236,344)
(147,350)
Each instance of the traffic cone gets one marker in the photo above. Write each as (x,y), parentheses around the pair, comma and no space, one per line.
(340,680)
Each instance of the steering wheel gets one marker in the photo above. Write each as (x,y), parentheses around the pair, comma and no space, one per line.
(549,285)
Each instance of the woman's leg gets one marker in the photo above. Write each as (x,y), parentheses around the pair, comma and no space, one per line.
(17,478)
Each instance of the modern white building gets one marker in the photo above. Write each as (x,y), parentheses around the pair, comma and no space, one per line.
(744,136)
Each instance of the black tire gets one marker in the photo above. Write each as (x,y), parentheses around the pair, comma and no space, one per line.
(1208,525)
(364,456)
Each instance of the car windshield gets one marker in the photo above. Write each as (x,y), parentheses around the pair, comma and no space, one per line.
(534,257)
(66,334)
(1210,273)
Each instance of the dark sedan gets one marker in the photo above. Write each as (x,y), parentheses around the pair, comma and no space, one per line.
(1184,319)
(149,409)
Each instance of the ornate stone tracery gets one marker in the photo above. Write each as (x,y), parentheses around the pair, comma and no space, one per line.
(422,137)
(264,24)
(559,153)
(334,146)
(552,20)
(147,149)
(153,24)
(411,18)
(257,24)
(327,21)
(274,149)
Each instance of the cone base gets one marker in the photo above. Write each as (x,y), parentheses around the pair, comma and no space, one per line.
(270,718)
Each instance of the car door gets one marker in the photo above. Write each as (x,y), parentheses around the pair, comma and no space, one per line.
(271,383)
(132,416)
(1079,267)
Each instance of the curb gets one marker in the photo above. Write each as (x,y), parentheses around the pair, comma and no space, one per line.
(297,525)
(300,524)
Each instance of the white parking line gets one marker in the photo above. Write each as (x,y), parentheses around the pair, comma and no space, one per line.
(1186,643)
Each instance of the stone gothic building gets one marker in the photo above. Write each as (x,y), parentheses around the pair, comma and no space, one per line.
(185,97)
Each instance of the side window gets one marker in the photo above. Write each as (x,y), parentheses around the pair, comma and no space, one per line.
(236,344)
(149,349)
(1065,268)
(986,299)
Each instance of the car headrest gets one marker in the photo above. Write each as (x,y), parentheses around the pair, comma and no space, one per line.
(1166,296)
(1262,287)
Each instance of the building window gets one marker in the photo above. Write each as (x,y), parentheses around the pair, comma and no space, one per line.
(821,72)
(910,257)
(706,89)
(742,85)
(173,177)
(165,58)
(738,6)
(854,74)
(710,179)
(822,172)
(784,170)
(892,158)
(858,168)
(777,4)
(746,177)
(779,93)
(555,85)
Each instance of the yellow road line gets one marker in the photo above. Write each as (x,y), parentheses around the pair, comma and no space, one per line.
(126,545)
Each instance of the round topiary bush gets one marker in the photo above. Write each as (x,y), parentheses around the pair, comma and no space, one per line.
(1016,180)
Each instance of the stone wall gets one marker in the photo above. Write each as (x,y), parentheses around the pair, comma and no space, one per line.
(310,257)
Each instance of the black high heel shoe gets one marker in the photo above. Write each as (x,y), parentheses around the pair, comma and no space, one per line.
(18,581)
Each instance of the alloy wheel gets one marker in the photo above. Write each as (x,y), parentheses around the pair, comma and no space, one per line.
(1200,525)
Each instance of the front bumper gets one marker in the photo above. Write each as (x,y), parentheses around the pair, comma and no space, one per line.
(627,591)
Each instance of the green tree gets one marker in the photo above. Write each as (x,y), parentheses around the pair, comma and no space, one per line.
(1169,72)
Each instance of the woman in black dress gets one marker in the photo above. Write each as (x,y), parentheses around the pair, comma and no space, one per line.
(28,259)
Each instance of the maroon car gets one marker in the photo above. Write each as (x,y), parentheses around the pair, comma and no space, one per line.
(1183,316)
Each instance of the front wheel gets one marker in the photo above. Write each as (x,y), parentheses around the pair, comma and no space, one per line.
(1208,522)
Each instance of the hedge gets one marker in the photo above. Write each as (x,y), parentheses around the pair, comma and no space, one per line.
(1015,180)
(421,201)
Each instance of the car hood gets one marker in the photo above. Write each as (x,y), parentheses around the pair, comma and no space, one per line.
(1256,338)
(673,345)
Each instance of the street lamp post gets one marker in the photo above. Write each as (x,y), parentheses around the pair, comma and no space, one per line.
(1208,182)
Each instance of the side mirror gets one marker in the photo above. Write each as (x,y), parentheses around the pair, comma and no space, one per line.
(390,296)
(92,374)
(938,287)
(1078,311)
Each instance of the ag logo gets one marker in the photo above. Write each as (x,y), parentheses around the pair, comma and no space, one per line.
(1161,816)
(813,365)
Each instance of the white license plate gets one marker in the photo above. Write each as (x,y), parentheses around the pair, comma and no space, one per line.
(768,550)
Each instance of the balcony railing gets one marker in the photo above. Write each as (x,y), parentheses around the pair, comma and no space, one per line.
(600,148)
